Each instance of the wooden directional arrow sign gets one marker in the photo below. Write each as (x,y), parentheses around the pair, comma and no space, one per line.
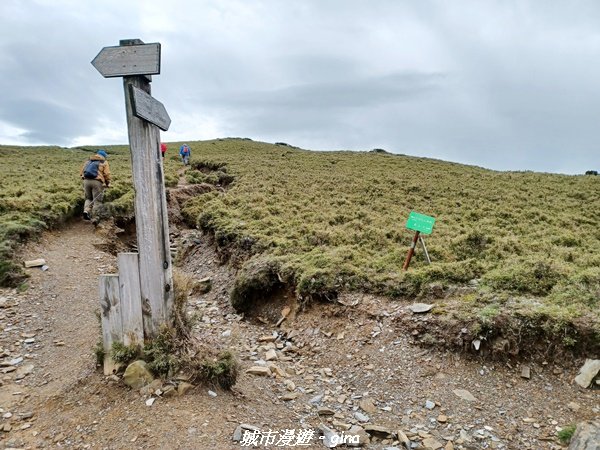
(128,60)
(148,108)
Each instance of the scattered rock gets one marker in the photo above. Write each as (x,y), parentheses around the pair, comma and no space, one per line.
(464,394)
(212,393)
(367,405)
(137,375)
(290,396)
(363,437)
(429,404)
(586,437)
(419,308)
(432,444)
(239,431)
(378,431)
(277,371)
(169,391)
(323,411)
(588,372)
(330,438)
(271,355)
(526,372)
(574,406)
(341,425)
(259,370)
(150,401)
(361,417)
(316,399)
(184,388)
(442,418)
(403,439)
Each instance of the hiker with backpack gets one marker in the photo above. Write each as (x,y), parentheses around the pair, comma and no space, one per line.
(163,149)
(95,174)
(185,153)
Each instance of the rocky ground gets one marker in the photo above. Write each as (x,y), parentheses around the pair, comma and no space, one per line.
(310,377)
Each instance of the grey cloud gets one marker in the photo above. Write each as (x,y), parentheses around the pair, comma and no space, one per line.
(349,93)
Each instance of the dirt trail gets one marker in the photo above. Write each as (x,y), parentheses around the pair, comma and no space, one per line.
(336,359)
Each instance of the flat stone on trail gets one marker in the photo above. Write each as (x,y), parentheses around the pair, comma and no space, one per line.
(259,370)
(419,308)
(432,444)
(526,372)
(271,355)
(378,431)
(588,372)
(239,431)
(361,417)
(464,394)
(367,405)
(363,436)
(324,411)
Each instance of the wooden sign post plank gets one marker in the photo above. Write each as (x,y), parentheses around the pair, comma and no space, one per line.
(112,330)
(148,108)
(127,60)
(131,299)
(151,220)
(136,62)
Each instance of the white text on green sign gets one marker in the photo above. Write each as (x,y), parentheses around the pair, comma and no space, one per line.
(420,222)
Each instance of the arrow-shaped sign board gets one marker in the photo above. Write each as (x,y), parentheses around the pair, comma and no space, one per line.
(148,108)
(128,60)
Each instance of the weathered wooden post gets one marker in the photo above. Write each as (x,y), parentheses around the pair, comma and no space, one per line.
(136,62)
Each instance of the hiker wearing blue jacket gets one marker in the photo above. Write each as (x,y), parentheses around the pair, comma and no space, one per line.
(185,153)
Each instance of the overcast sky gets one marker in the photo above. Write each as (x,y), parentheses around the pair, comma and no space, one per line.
(507,85)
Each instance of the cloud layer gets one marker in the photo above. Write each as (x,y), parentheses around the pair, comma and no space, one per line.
(504,85)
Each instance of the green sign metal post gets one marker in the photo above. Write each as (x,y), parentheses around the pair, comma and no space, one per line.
(420,223)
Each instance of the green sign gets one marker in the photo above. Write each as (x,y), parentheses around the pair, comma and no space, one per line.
(420,222)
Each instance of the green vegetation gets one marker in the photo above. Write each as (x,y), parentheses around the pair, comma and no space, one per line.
(566,434)
(326,222)
(40,188)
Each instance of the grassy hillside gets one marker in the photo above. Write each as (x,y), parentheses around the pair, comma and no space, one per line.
(40,188)
(325,222)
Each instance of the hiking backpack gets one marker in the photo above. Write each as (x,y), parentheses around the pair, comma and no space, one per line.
(91,170)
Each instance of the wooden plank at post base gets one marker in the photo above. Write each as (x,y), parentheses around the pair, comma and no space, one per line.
(148,108)
(131,299)
(128,60)
(112,330)
(152,226)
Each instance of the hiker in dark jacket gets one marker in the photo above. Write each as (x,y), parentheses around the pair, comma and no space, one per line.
(95,174)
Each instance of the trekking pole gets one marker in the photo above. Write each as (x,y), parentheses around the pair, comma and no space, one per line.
(94,199)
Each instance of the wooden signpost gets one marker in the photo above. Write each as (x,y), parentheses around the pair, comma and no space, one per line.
(145,285)
(132,57)
(419,223)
